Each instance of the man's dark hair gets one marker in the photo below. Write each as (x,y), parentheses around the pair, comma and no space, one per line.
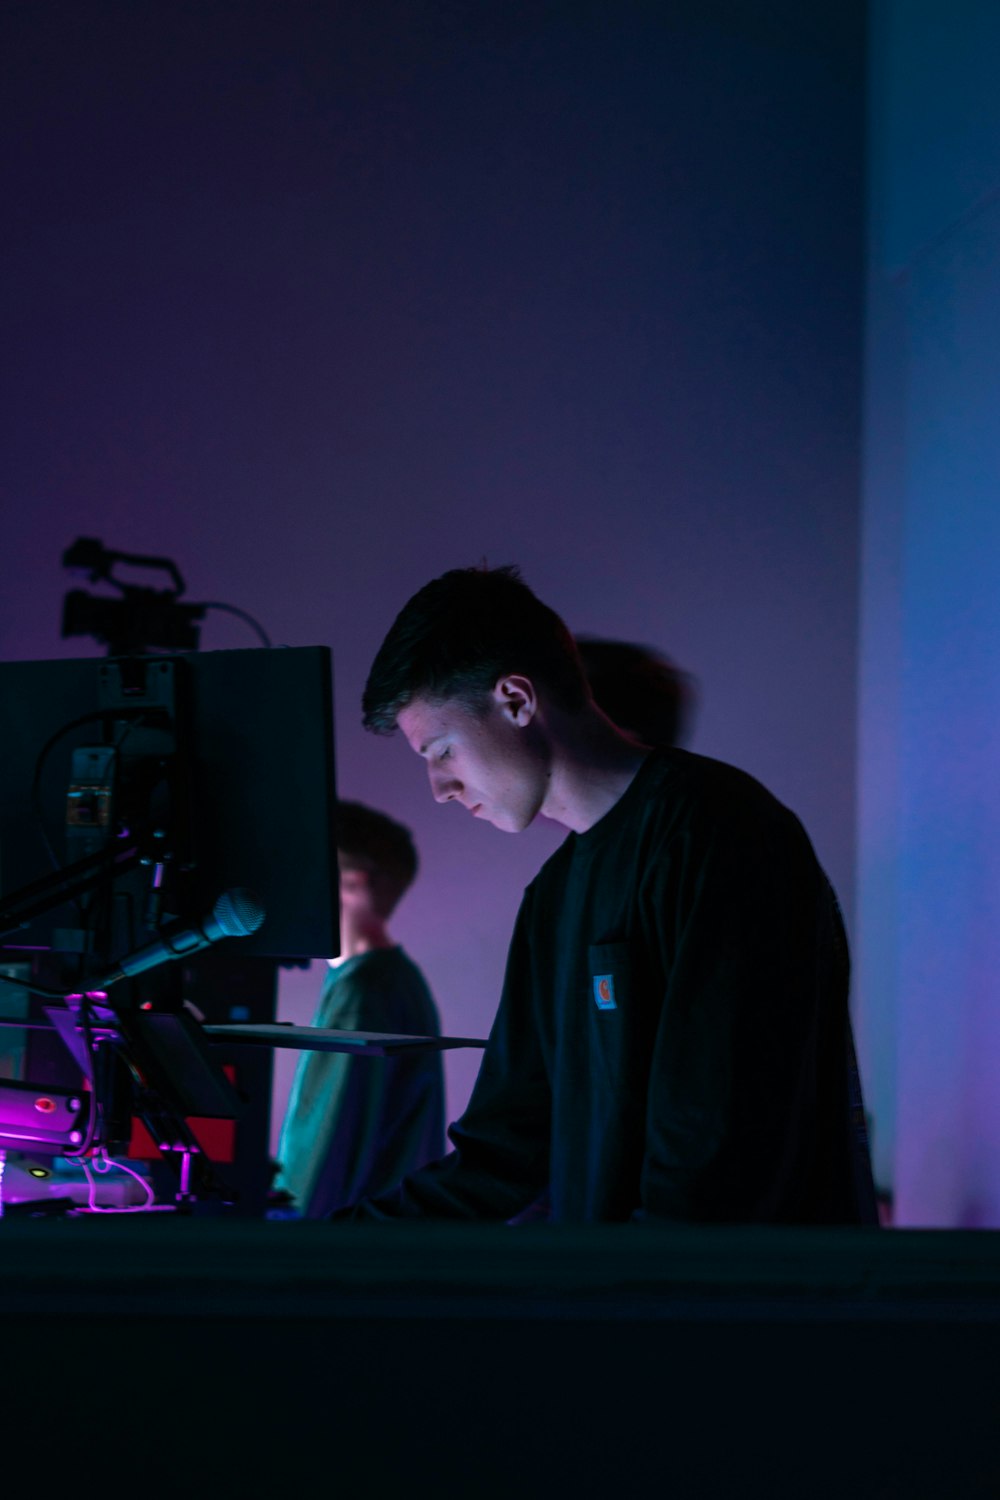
(372,841)
(460,634)
(639,689)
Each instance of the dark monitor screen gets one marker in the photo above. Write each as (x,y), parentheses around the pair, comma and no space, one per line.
(255,743)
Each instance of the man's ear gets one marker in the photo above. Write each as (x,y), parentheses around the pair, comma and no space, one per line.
(517,698)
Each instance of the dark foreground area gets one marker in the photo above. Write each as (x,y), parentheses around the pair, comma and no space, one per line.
(203,1357)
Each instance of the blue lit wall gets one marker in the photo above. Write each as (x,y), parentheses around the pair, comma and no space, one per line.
(929,787)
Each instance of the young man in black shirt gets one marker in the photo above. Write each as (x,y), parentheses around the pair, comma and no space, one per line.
(673,1040)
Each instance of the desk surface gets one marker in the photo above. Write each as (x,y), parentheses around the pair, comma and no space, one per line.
(161,1264)
(325,1039)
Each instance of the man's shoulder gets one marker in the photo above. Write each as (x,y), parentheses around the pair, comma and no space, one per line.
(380,990)
(674,785)
(675,777)
(710,804)
(673,791)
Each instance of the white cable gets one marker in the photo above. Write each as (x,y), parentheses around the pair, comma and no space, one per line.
(102,1164)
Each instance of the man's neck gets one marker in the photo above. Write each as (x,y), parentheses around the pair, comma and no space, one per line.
(593,766)
(362,937)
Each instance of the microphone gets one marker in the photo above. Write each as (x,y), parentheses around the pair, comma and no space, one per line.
(237,913)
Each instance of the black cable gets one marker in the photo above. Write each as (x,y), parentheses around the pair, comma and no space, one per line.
(231,609)
(37,989)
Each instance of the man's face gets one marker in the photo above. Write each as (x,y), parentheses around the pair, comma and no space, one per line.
(355,885)
(494,763)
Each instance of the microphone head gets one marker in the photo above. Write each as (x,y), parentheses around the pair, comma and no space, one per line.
(238,912)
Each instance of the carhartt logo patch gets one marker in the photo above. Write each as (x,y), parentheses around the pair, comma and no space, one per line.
(604,991)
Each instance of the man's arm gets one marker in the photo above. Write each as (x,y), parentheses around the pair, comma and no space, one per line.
(501,1160)
(747,1112)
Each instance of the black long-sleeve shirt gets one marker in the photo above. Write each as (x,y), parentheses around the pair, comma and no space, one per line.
(673,1039)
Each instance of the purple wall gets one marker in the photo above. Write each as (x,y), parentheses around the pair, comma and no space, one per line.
(324,300)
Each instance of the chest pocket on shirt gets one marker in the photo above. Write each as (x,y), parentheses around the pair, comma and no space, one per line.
(610,1003)
(610,975)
